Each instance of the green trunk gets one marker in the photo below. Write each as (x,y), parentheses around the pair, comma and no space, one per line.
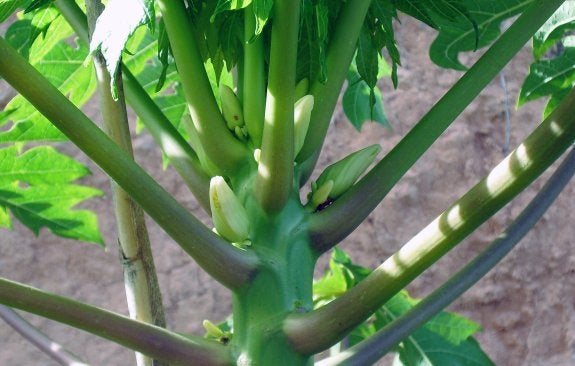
(282,286)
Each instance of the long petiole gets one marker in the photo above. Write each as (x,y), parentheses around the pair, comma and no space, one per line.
(253,79)
(151,340)
(220,145)
(502,184)
(275,171)
(382,342)
(333,224)
(339,55)
(229,265)
(181,155)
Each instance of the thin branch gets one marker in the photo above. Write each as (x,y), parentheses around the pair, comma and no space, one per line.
(275,171)
(153,341)
(140,280)
(229,265)
(375,347)
(56,351)
(339,55)
(501,185)
(334,223)
(220,145)
(181,155)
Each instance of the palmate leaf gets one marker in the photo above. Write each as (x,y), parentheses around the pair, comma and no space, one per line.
(61,63)
(477,25)
(445,340)
(554,29)
(36,187)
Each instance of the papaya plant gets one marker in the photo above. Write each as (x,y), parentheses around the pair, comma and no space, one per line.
(238,96)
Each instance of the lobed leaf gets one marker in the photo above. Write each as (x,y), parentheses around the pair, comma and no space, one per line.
(36,187)
(445,340)
(477,25)
(64,67)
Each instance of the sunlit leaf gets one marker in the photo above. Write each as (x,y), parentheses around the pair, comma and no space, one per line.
(117,22)
(36,187)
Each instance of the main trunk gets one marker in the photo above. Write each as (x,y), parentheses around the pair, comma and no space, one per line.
(282,285)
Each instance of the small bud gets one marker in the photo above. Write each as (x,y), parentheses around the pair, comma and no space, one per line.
(301,88)
(302,115)
(231,107)
(345,172)
(229,216)
(322,194)
(212,329)
(257,155)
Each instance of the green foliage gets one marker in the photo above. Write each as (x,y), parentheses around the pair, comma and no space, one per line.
(444,340)
(118,21)
(37,188)
(40,36)
(271,278)
(553,72)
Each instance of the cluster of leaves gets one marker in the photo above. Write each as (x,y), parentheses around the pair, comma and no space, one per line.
(445,339)
(553,72)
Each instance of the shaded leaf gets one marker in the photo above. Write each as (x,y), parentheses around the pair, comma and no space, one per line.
(460,34)
(361,102)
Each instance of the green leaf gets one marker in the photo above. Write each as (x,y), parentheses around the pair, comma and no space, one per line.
(37,33)
(262,11)
(549,77)
(362,103)
(313,40)
(426,348)
(115,25)
(445,340)
(554,29)
(37,4)
(8,7)
(224,5)
(459,33)
(64,67)
(36,187)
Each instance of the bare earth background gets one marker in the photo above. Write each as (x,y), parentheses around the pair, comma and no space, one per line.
(526,305)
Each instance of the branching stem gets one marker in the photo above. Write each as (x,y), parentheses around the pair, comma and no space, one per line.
(333,224)
(229,265)
(502,184)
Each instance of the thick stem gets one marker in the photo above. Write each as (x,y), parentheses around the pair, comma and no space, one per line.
(254,88)
(333,224)
(140,279)
(282,286)
(47,345)
(153,341)
(275,171)
(181,155)
(373,348)
(220,145)
(229,265)
(502,184)
(339,55)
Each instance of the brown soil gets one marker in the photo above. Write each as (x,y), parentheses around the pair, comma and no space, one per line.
(526,305)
